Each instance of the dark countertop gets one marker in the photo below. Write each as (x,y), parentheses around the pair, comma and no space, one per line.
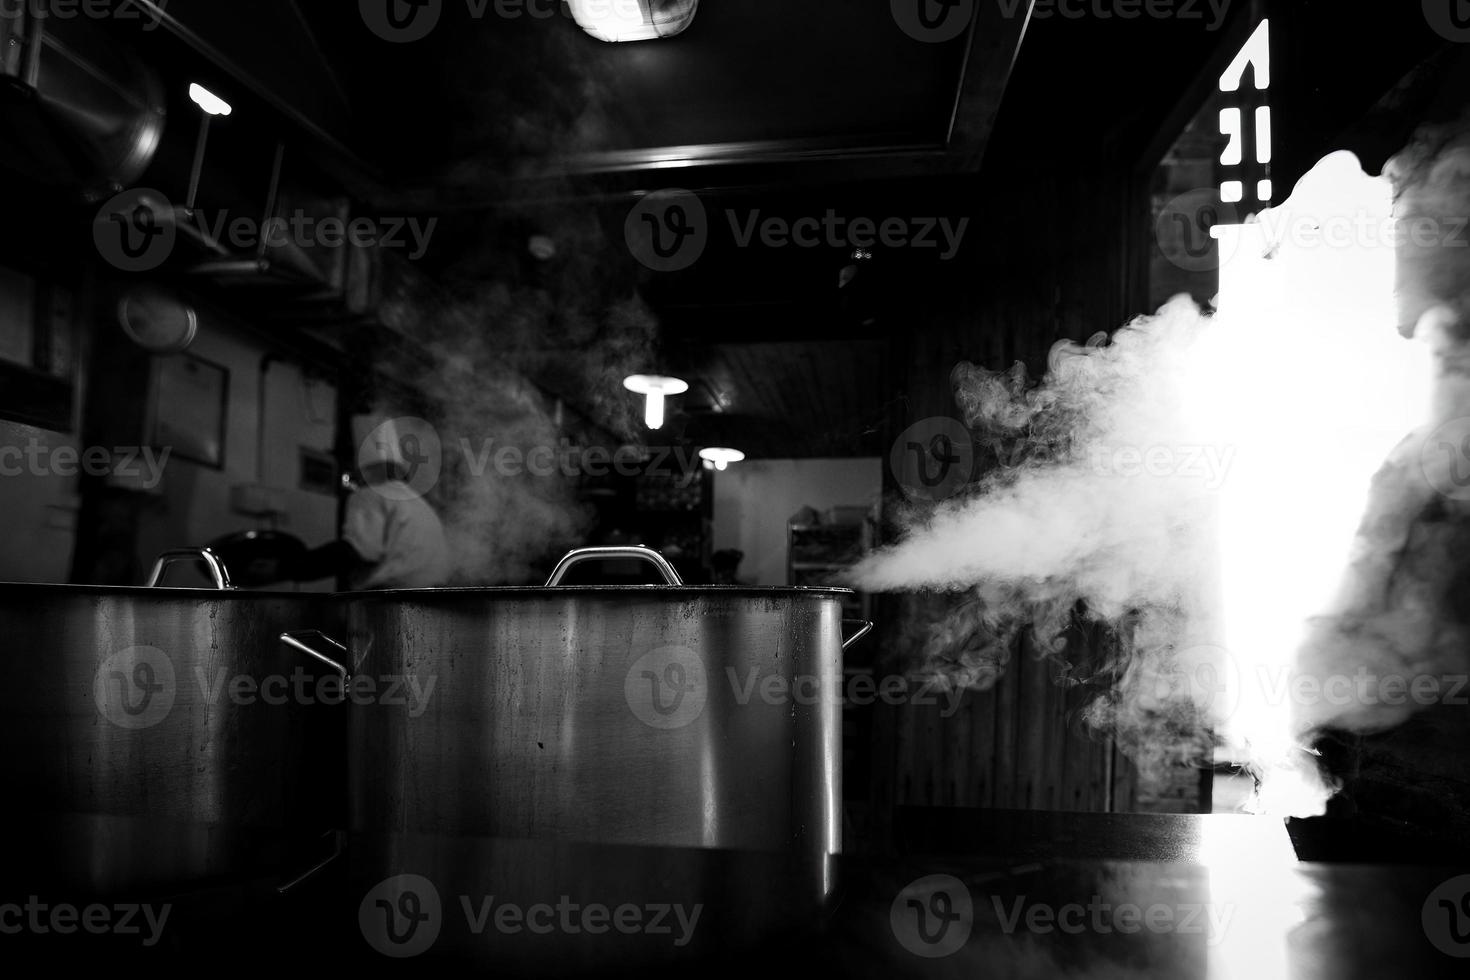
(1023,895)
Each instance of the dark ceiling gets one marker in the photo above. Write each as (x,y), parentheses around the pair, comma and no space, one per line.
(500,128)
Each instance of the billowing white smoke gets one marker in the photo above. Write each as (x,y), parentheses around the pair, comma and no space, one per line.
(1245,495)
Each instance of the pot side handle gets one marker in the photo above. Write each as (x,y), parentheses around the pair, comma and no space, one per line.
(574,558)
(210,560)
(297,640)
(863,629)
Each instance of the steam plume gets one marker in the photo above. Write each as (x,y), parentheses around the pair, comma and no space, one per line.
(1242,495)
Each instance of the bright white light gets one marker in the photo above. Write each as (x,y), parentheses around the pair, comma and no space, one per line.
(1232,191)
(613,20)
(1256,53)
(1230,125)
(208,101)
(1263,134)
(721,457)
(1306,378)
(1263,191)
(656,388)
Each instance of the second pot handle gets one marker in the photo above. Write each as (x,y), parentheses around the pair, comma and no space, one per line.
(298,638)
(863,629)
(208,558)
(573,558)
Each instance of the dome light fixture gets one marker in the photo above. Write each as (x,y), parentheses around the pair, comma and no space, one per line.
(205,99)
(655,387)
(633,20)
(720,458)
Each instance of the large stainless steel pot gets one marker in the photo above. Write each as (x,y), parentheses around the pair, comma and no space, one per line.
(171,704)
(656,715)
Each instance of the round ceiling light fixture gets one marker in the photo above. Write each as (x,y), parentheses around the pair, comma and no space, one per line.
(720,457)
(633,20)
(656,388)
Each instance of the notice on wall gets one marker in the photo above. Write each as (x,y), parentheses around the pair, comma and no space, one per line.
(189,409)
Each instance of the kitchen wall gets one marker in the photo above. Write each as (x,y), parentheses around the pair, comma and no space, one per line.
(39,504)
(192,505)
(755,499)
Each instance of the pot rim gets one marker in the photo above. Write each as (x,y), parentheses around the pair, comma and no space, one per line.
(493,591)
(573,591)
(145,592)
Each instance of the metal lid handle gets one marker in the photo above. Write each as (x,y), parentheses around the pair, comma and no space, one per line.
(574,558)
(209,558)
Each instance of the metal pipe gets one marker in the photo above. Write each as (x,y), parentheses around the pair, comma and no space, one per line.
(198,169)
(33,29)
(272,197)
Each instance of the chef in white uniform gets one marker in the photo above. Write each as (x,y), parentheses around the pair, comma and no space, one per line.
(391,536)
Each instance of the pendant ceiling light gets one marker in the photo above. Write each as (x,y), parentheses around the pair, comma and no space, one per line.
(656,388)
(633,20)
(720,458)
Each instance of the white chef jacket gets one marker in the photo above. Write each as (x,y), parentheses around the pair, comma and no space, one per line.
(398,533)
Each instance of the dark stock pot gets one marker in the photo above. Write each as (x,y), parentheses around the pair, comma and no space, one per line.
(646,715)
(160,704)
